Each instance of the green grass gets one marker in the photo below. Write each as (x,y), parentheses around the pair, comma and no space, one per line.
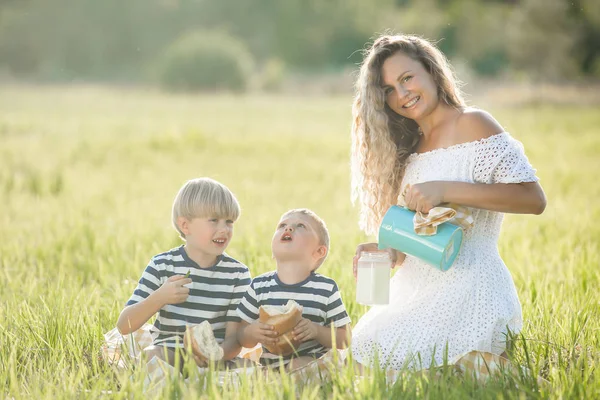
(88,175)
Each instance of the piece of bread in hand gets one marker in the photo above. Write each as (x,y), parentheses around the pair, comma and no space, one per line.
(283,319)
(202,341)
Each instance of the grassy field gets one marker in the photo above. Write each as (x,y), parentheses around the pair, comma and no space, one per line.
(88,175)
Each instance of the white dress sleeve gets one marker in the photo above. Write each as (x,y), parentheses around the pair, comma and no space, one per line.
(501,159)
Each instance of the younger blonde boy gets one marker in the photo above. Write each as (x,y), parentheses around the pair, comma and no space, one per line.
(300,245)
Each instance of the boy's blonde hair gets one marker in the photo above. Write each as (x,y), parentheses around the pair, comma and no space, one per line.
(319,224)
(203,197)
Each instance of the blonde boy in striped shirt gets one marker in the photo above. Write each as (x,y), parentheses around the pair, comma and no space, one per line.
(300,245)
(204,212)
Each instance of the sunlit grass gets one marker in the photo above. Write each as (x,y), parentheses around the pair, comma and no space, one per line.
(88,175)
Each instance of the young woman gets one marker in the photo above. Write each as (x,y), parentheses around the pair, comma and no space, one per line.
(412,127)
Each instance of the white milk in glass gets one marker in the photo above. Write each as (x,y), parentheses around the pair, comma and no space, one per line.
(373,278)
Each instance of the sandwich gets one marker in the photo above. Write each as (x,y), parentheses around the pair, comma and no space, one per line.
(283,319)
(202,341)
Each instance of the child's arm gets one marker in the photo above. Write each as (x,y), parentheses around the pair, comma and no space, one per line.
(249,335)
(171,292)
(231,346)
(250,331)
(307,330)
(336,316)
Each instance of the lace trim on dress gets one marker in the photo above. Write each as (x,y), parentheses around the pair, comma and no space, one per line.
(458,145)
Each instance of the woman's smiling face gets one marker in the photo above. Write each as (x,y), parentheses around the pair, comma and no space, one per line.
(409,89)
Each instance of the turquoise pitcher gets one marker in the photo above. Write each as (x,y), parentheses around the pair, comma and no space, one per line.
(439,250)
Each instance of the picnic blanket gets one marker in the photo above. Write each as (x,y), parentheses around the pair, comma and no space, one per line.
(123,352)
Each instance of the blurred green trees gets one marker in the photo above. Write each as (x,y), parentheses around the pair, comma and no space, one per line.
(124,41)
(205,61)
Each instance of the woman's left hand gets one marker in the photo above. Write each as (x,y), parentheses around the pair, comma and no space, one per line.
(424,196)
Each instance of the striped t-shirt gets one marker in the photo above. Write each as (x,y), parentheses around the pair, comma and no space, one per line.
(214,294)
(318,295)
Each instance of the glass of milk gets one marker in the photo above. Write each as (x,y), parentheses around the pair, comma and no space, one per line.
(373,278)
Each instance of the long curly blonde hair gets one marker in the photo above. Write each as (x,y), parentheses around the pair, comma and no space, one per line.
(382,140)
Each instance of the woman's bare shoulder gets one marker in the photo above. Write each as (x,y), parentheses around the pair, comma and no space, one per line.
(475,124)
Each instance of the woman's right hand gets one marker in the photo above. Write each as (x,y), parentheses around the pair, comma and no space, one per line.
(394,255)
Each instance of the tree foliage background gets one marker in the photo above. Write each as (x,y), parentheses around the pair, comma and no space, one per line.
(117,41)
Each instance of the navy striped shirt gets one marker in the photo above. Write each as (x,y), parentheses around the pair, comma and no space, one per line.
(318,295)
(215,293)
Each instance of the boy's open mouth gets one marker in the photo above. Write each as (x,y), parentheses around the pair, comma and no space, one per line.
(286,237)
(219,241)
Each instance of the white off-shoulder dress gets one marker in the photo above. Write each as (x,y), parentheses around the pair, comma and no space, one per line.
(434,314)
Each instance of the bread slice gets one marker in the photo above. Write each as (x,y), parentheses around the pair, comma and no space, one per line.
(203,342)
(283,319)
